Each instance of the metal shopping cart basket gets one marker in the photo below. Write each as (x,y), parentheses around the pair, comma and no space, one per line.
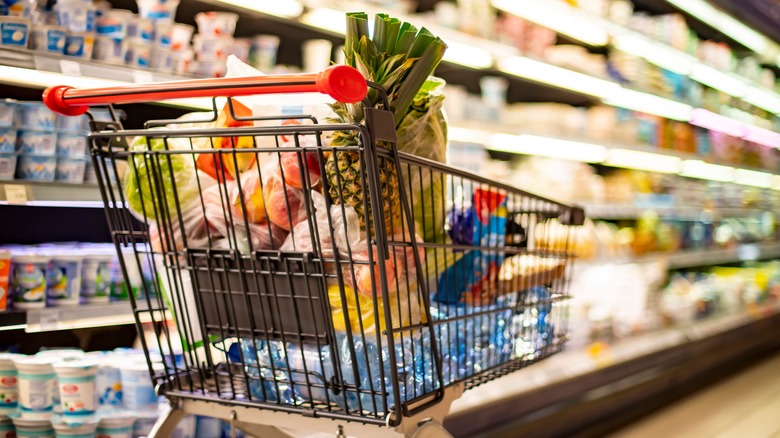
(352,285)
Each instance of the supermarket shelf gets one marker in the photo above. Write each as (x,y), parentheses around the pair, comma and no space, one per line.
(630,211)
(709,257)
(50,194)
(70,318)
(602,370)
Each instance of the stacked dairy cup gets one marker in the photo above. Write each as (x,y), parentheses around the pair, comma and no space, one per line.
(215,41)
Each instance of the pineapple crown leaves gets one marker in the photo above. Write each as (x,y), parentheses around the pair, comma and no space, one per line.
(398,57)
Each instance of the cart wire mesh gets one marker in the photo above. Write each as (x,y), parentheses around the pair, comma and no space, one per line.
(350,282)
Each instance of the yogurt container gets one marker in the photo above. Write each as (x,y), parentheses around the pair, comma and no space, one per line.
(109,381)
(262,56)
(140,29)
(211,48)
(14,31)
(36,142)
(36,379)
(216,23)
(144,423)
(58,355)
(28,281)
(28,428)
(183,60)
(36,167)
(110,50)
(63,285)
(96,277)
(64,429)
(34,115)
(139,54)
(208,69)
(163,34)
(47,38)
(158,9)
(7,166)
(162,59)
(77,385)
(80,45)
(7,112)
(116,425)
(76,15)
(7,139)
(240,48)
(137,387)
(7,429)
(72,124)
(71,145)
(9,383)
(181,35)
(70,169)
(113,23)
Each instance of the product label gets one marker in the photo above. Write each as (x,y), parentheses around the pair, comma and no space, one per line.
(78,396)
(14,34)
(110,28)
(109,387)
(35,394)
(29,283)
(55,41)
(95,279)
(138,391)
(9,389)
(146,33)
(61,280)
(75,45)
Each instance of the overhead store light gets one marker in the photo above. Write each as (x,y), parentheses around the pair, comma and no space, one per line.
(557,18)
(639,160)
(326,19)
(713,172)
(763,99)
(762,136)
(718,80)
(661,55)
(467,55)
(724,23)
(547,147)
(649,104)
(538,71)
(278,8)
(468,135)
(716,122)
(753,178)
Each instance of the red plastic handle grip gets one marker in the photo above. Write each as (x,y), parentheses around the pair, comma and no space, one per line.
(341,82)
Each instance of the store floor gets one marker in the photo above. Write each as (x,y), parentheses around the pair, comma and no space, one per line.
(746,405)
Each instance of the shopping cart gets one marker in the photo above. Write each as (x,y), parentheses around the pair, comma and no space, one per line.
(286,275)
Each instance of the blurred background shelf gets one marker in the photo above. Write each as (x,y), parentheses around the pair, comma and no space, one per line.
(629,211)
(52,194)
(70,318)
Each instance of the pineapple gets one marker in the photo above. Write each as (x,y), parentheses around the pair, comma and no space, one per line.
(400,59)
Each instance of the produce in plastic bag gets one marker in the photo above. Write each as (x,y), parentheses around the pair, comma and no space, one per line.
(167,235)
(284,204)
(235,232)
(249,199)
(295,165)
(226,165)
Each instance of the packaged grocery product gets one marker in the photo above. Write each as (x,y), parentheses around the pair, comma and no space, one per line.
(473,278)
(108,379)
(36,142)
(240,48)
(70,169)
(14,31)
(163,34)
(28,428)
(113,23)
(110,50)
(73,124)
(162,59)
(216,24)
(137,387)
(47,38)
(63,285)
(262,55)
(7,165)
(80,44)
(5,277)
(140,29)
(8,110)
(71,145)
(81,429)
(35,116)
(28,280)
(76,15)
(96,275)
(211,48)
(209,69)
(117,425)
(36,167)
(181,35)
(9,383)
(157,9)
(36,384)
(139,54)
(7,140)
(7,428)
(77,387)
(183,60)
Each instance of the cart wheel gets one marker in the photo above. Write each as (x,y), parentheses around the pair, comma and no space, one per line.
(431,429)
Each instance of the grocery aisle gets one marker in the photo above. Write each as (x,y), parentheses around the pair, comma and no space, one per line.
(745,405)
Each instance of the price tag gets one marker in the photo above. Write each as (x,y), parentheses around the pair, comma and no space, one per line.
(142,77)
(50,319)
(16,194)
(70,68)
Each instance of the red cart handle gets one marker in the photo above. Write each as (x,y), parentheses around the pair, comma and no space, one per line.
(341,82)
